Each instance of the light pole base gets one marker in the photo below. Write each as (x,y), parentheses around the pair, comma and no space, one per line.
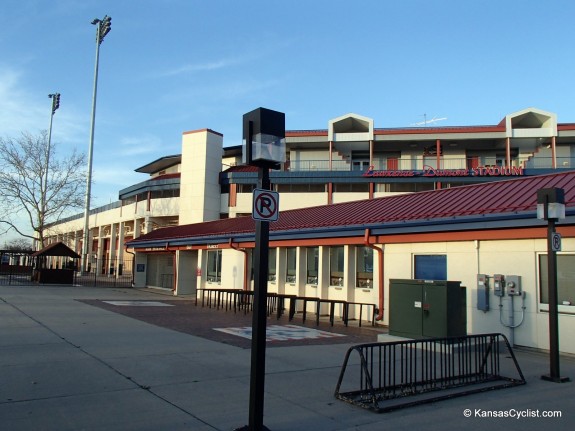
(553,379)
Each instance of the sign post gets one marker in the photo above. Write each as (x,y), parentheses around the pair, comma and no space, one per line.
(264,147)
(551,207)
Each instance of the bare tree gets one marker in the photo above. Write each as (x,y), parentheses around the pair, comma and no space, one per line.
(37,185)
(19,244)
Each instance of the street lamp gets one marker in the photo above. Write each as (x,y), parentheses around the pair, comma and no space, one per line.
(264,147)
(103,27)
(551,207)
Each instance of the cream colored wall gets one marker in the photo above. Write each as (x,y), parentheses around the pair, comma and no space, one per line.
(199,181)
(160,209)
(289,201)
(465,259)
(349,197)
(164,207)
(453,159)
(230,161)
(468,258)
(309,155)
(232,269)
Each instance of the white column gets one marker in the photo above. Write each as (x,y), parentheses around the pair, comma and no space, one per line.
(100,252)
(121,242)
(137,227)
(199,182)
(113,263)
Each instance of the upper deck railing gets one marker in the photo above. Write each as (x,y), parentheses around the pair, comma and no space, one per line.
(417,164)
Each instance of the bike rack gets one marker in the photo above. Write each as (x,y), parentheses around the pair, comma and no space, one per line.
(400,374)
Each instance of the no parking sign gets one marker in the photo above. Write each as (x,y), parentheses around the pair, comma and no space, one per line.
(556,241)
(265,205)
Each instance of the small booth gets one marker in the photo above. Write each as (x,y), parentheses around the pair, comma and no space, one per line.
(55,264)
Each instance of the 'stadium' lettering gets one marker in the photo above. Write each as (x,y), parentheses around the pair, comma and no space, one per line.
(497,171)
(429,171)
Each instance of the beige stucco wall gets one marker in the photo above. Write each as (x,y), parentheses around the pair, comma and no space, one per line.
(199,181)
(466,259)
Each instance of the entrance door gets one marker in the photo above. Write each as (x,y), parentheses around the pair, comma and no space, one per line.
(160,271)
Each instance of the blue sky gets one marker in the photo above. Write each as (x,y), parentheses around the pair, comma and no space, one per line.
(170,66)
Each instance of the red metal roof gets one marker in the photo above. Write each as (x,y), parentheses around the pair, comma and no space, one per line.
(409,130)
(242,168)
(497,197)
(299,133)
(57,249)
(165,177)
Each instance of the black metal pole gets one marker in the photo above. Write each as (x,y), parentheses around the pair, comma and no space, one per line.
(554,367)
(266,123)
(259,318)
(553,309)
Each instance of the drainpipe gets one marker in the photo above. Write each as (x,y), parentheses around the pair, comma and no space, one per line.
(245,252)
(379,251)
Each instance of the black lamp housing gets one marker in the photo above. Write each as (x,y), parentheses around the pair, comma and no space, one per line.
(264,138)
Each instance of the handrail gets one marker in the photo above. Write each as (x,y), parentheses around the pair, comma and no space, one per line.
(535,161)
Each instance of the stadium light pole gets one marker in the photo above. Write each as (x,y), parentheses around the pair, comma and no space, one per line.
(103,27)
(55,105)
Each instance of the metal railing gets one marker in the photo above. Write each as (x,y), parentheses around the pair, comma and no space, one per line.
(277,303)
(533,162)
(538,162)
(317,165)
(15,275)
(389,376)
(242,300)
(106,273)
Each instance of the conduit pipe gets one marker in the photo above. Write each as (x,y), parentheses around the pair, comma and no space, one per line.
(379,251)
(245,252)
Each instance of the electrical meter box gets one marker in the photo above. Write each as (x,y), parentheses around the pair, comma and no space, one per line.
(483,292)
(427,309)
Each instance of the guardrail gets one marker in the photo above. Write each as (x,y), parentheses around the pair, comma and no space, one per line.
(389,376)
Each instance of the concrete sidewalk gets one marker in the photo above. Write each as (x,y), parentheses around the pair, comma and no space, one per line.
(67,365)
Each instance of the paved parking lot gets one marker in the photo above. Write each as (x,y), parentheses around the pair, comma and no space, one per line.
(71,358)
(210,323)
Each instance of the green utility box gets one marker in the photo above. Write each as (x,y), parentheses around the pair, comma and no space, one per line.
(426,309)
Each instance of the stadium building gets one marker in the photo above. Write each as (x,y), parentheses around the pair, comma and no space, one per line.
(359,206)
